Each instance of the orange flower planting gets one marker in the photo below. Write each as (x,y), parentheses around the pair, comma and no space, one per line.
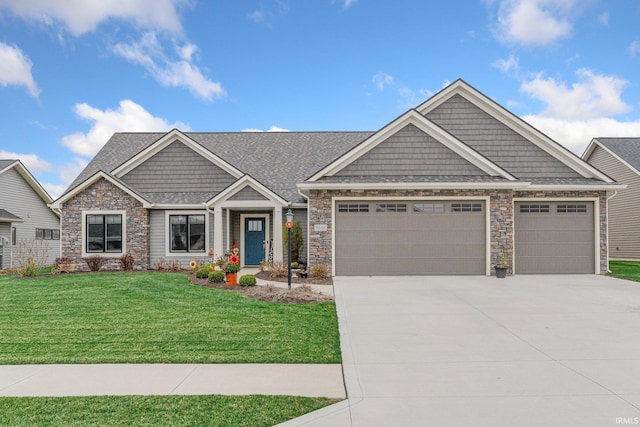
(234,259)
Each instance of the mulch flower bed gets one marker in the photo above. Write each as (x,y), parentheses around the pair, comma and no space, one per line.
(270,293)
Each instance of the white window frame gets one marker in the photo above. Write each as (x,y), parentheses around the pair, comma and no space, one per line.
(167,234)
(124,233)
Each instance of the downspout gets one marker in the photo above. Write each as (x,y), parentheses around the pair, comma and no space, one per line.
(609,198)
(308,229)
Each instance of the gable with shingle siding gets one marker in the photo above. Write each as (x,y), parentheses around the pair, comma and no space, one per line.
(496,141)
(410,151)
(248,193)
(177,168)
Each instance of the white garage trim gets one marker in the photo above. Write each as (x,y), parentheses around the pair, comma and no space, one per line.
(485,199)
(596,222)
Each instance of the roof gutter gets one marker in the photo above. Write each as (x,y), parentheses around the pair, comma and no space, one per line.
(304,188)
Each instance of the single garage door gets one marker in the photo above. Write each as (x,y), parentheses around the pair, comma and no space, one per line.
(554,238)
(404,238)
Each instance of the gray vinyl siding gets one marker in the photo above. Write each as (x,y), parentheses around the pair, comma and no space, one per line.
(247,193)
(410,151)
(156,236)
(624,220)
(498,142)
(5,252)
(158,244)
(17,197)
(178,168)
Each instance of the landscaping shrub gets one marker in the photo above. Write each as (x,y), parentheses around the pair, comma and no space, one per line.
(248,280)
(30,256)
(126,262)
(203,272)
(297,240)
(160,265)
(174,266)
(278,269)
(319,271)
(94,262)
(216,276)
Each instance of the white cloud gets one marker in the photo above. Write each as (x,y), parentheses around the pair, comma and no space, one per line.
(634,48)
(592,97)
(574,115)
(510,64)
(271,129)
(381,80)
(31,161)
(149,53)
(129,117)
(15,69)
(603,19)
(348,3)
(576,134)
(83,16)
(534,22)
(257,16)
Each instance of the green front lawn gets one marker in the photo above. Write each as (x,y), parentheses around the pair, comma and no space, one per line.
(625,270)
(155,318)
(212,410)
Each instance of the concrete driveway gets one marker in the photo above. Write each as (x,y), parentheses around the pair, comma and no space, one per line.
(481,351)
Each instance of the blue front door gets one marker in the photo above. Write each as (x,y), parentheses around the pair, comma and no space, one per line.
(254,237)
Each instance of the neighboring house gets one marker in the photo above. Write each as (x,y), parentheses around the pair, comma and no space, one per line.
(443,189)
(26,222)
(620,159)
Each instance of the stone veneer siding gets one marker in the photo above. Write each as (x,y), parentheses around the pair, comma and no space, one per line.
(501,216)
(102,195)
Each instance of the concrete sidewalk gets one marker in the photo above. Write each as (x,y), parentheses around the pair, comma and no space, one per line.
(167,379)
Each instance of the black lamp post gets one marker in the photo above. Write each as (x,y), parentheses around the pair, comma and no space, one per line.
(289,225)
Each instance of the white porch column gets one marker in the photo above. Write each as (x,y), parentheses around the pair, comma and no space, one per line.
(277,234)
(218,245)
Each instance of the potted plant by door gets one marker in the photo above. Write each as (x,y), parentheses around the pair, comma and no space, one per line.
(231,269)
(502,267)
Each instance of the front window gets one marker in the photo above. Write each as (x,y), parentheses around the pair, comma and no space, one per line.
(187,233)
(104,233)
(47,234)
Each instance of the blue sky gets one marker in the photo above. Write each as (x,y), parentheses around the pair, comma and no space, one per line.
(74,72)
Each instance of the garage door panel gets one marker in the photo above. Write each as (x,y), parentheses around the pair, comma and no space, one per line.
(392,243)
(564,237)
(556,241)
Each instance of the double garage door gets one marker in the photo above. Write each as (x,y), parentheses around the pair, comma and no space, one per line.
(450,237)
(410,237)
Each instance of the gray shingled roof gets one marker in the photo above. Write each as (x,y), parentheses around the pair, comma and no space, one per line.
(278,160)
(628,149)
(6,163)
(5,214)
